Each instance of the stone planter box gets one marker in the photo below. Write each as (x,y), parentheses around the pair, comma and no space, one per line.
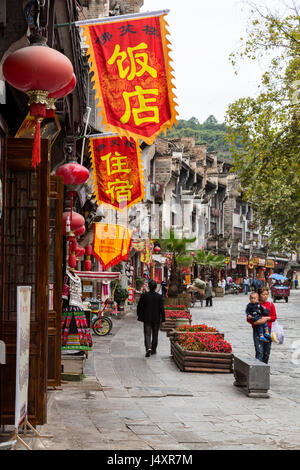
(170,324)
(196,361)
(182,321)
(180,300)
(173,334)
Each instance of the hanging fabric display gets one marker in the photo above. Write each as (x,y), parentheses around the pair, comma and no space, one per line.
(111,244)
(117,171)
(132,74)
(145,255)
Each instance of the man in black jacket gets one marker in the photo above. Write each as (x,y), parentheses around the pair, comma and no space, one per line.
(150,310)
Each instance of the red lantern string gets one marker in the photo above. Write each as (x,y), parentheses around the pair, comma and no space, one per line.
(88,262)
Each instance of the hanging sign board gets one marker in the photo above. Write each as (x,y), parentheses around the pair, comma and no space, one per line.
(117,171)
(111,243)
(132,74)
(23,343)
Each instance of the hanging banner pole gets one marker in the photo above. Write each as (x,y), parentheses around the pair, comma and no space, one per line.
(111,19)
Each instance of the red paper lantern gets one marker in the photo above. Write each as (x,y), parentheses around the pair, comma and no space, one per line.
(73,173)
(192,253)
(37,70)
(87,265)
(157,249)
(72,260)
(76,222)
(38,67)
(88,250)
(73,245)
(80,251)
(52,97)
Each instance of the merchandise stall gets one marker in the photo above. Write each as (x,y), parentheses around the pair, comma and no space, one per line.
(96,284)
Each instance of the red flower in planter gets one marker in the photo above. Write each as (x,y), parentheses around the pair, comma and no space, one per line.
(178,314)
(174,307)
(196,328)
(204,342)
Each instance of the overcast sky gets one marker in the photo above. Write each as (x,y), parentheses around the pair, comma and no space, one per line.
(203,33)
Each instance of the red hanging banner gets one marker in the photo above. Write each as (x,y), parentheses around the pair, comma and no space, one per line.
(117,170)
(132,75)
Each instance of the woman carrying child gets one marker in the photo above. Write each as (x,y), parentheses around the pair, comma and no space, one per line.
(263,349)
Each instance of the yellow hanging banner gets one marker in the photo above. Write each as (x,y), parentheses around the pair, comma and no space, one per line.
(111,244)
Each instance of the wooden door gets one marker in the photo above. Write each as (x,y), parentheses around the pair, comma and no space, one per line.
(26,262)
(55,281)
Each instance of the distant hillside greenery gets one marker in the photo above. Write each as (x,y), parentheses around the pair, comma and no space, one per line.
(210,132)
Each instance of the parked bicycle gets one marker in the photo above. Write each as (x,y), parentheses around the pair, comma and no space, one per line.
(101,324)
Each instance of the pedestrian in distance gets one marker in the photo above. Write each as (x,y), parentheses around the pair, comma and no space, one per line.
(208,295)
(246,283)
(164,286)
(150,311)
(263,349)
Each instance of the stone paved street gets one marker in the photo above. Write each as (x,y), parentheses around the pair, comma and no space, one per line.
(147,403)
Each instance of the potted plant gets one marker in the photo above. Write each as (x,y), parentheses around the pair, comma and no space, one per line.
(121,294)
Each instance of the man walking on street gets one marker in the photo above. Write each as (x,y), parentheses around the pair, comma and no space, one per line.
(150,310)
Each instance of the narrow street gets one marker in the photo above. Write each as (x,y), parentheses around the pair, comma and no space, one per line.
(131,402)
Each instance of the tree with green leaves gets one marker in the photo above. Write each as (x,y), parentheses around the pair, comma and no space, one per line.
(209,263)
(267,127)
(178,246)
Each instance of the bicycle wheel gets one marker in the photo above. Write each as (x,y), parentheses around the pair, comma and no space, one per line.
(102,326)
(109,320)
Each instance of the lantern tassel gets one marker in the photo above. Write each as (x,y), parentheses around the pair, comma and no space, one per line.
(36,150)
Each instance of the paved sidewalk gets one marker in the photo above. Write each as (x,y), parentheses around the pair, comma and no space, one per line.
(131,402)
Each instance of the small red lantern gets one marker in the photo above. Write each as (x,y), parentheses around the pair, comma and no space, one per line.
(80,251)
(157,249)
(73,173)
(88,250)
(72,260)
(52,97)
(87,265)
(192,253)
(88,262)
(37,70)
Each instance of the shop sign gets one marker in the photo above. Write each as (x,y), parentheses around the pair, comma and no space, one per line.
(261,261)
(242,260)
(87,288)
(270,263)
(227,260)
(233,264)
(117,172)
(130,294)
(132,74)
(22,357)
(254,261)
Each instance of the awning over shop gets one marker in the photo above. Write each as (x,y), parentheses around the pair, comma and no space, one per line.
(98,276)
